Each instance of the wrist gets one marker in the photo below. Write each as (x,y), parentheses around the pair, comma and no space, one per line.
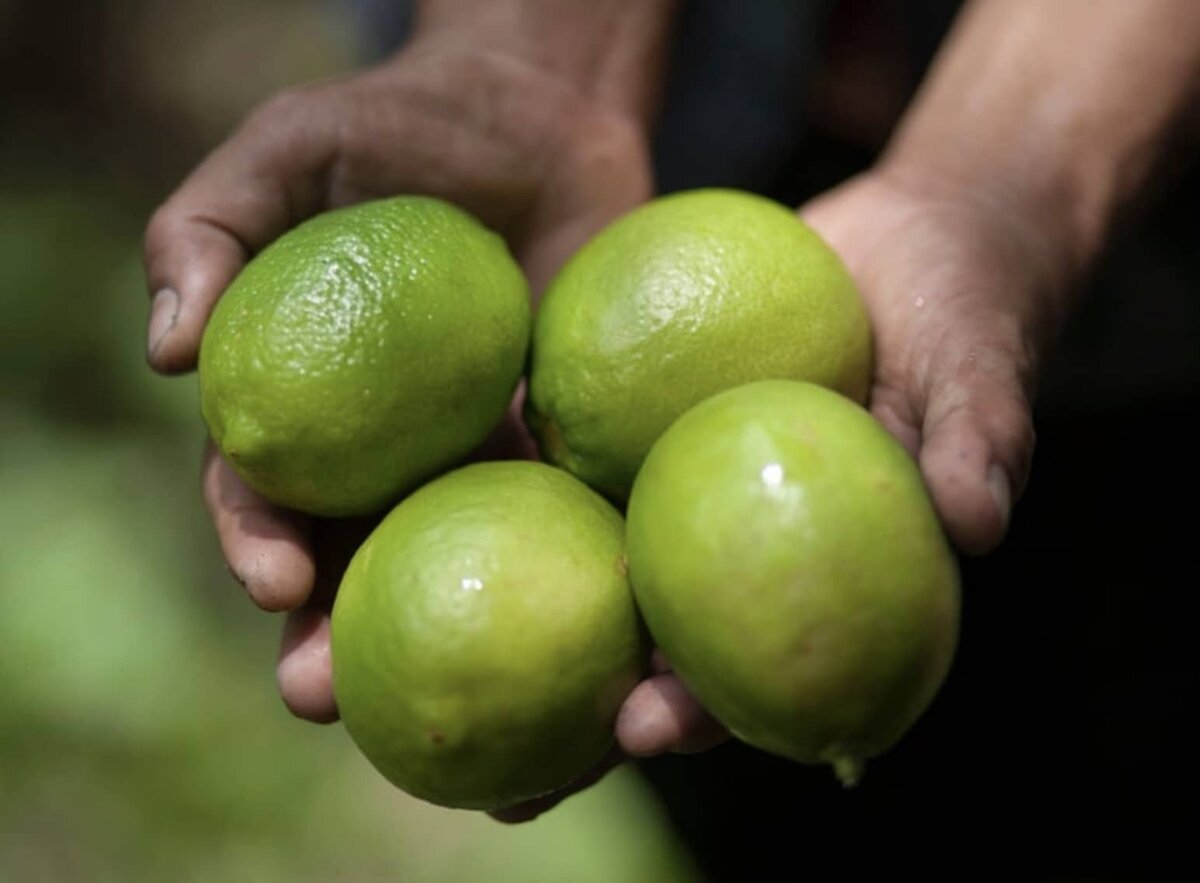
(608,52)
(1021,264)
(1065,140)
(1041,217)
(1066,207)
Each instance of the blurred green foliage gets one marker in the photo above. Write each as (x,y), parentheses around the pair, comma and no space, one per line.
(140,733)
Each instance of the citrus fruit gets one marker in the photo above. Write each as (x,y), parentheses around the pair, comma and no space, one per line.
(485,635)
(362,352)
(681,298)
(789,563)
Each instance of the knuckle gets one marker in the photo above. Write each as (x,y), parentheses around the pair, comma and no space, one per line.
(158,232)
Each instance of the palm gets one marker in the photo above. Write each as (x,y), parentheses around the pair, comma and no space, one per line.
(545,169)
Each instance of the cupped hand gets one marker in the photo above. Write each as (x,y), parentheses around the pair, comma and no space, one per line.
(964,294)
(526,151)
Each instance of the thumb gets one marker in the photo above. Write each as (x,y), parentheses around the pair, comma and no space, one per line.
(267,177)
(977,444)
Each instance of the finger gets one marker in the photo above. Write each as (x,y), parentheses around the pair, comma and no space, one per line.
(977,446)
(531,809)
(660,715)
(263,180)
(266,547)
(305,670)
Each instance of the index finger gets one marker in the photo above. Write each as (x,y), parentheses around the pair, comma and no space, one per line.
(267,177)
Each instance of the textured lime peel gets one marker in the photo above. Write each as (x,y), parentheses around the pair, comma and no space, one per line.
(551,444)
(485,635)
(363,352)
(787,559)
(688,295)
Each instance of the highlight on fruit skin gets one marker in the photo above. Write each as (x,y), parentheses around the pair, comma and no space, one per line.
(363,352)
(787,559)
(485,636)
(684,296)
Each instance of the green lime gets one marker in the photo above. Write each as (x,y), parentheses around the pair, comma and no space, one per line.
(788,561)
(362,352)
(685,296)
(485,635)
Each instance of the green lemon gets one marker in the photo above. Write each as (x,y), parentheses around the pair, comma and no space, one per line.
(788,561)
(485,635)
(362,352)
(685,296)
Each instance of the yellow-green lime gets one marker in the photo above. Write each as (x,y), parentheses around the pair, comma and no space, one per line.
(362,352)
(485,635)
(789,563)
(681,298)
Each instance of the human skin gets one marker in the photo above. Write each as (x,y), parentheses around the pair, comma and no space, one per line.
(1038,130)
(969,240)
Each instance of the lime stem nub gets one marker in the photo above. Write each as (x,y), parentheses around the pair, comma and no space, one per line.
(848,768)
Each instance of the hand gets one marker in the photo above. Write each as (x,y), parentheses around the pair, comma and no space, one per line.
(997,192)
(962,295)
(527,151)
(952,286)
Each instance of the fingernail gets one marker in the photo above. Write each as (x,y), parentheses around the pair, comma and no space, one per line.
(997,482)
(164,313)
